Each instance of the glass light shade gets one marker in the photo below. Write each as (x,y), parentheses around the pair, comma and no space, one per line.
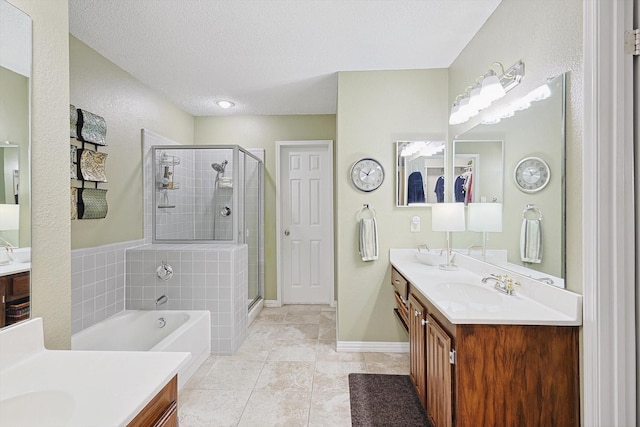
(447,217)
(484,217)
(476,99)
(9,217)
(491,88)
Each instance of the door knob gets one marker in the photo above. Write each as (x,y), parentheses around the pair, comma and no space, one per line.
(286,232)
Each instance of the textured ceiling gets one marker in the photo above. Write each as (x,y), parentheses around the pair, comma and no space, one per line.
(271,56)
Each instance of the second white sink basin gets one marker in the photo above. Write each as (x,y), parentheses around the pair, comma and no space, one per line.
(41,408)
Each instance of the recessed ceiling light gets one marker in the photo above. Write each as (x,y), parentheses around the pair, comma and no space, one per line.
(225,104)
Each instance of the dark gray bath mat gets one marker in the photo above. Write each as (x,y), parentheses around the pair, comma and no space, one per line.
(384,400)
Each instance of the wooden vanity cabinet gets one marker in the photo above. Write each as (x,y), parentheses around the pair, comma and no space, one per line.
(492,375)
(14,298)
(417,345)
(162,411)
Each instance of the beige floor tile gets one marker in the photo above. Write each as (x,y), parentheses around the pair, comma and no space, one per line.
(266,408)
(201,371)
(327,333)
(334,376)
(303,308)
(330,409)
(286,376)
(265,330)
(302,317)
(255,347)
(231,374)
(387,363)
(298,332)
(212,407)
(270,315)
(326,351)
(294,350)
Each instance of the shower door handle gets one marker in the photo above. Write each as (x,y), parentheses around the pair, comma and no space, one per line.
(286,232)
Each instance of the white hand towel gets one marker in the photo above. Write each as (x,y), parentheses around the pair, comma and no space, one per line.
(368,239)
(531,241)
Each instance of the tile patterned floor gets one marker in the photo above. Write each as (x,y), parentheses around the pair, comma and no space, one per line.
(287,373)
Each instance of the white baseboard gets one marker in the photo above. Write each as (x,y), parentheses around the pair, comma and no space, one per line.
(372,347)
(272,303)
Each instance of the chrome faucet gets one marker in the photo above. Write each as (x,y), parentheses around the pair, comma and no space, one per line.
(162,300)
(503,283)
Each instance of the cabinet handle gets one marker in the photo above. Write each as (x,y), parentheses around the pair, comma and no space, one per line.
(424,322)
(417,313)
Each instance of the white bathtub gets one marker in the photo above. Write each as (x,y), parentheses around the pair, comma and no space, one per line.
(140,330)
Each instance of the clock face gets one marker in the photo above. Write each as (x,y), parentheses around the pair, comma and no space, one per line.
(531,174)
(367,174)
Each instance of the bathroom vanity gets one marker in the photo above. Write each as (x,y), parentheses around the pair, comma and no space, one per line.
(479,356)
(80,388)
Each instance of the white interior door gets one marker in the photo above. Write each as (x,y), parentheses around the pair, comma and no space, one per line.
(305,223)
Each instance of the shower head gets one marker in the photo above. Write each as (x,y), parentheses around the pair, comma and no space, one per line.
(219,167)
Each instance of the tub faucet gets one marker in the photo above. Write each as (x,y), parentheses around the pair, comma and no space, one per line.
(162,300)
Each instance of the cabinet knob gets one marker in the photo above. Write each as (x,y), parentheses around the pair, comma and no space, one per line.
(424,322)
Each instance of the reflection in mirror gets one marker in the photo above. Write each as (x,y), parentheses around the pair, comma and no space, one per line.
(420,172)
(477,171)
(535,129)
(15,199)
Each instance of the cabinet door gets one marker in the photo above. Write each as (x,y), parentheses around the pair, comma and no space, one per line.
(438,375)
(417,345)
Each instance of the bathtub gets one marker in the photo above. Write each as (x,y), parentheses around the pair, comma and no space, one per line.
(152,330)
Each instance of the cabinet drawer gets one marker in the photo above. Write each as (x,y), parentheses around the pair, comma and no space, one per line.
(19,285)
(403,310)
(400,284)
(161,409)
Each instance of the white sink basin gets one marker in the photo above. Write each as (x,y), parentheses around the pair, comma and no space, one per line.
(41,408)
(469,295)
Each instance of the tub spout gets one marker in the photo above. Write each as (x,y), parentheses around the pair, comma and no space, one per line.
(162,300)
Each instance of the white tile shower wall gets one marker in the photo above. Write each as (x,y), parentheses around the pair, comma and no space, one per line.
(206,277)
(97,283)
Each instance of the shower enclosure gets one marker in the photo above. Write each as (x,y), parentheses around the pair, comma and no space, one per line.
(211,194)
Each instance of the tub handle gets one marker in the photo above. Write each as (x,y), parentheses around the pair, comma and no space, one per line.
(165,271)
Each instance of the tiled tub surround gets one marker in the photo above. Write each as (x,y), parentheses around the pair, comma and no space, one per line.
(97,283)
(209,277)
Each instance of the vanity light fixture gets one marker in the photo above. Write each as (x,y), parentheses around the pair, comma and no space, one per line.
(448,217)
(225,104)
(485,90)
(485,218)
(538,94)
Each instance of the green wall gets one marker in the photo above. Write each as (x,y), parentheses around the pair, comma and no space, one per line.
(263,132)
(375,109)
(99,86)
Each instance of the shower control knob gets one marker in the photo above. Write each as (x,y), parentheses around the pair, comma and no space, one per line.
(286,232)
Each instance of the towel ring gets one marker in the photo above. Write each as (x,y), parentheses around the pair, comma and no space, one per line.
(364,208)
(533,208)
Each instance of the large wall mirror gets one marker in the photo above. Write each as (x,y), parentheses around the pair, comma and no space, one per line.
(533,212)
(15,197)
(420,172)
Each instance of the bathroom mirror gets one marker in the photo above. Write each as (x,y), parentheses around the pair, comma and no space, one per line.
(478,172)
(15,198)
(419,173)
(536,130)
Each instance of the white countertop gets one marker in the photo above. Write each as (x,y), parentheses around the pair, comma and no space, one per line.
(463,299)
(14,267)
(79,388)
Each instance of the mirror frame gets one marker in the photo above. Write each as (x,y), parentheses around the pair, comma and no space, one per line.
(439,162)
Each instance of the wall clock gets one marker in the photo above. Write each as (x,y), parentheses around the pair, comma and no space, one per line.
(367,174)
(531,174)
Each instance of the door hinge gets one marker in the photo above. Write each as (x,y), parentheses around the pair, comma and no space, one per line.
(632,42)
(452,357)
